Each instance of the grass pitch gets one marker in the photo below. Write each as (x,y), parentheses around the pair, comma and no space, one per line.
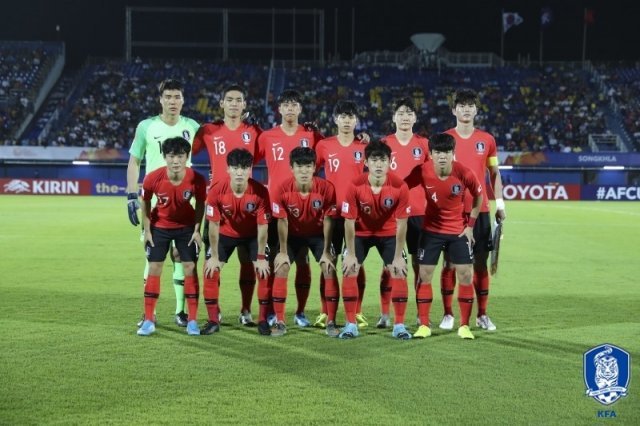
(71,293)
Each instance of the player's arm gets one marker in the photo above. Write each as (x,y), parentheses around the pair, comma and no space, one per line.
(326,260)
(213,262)
(196,237)
(261,264)
(146,221)
(496,182)
(133,174)
(414,178)
(283,234)
(350,262)
(399,265)
(475,211)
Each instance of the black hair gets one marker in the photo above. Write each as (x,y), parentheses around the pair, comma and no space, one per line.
(290,95)
(345,107)
(404,102)
(170,84)
(234,88)
(465,97)
(302,156)
(442,142)
(175,146)
(240,157)
(377,149)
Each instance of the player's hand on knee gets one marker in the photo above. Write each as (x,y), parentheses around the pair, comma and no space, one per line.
(133,205)
(398,267)
(262,268)
(326,263)
(280,260)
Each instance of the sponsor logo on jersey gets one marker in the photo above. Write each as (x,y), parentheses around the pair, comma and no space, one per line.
(456,189)
(607,371)
(246,137)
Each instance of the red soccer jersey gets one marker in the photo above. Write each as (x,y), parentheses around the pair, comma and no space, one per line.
(445,197)
(341,163)
(478,152)
(173,209)
(239,217)
(405,158)
(376,214)
(274,146)
(305,213)
(219,140)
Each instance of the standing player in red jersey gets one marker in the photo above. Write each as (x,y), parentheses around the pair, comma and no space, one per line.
(238,212)
(275,145)
(444,229)
(173,219)
(376,208)
(305,208)
(477,150)
(342,157)
(408,150)
(219,139)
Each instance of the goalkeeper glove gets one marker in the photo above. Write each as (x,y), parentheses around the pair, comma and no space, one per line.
(250,119)
(132,208)
(310,126)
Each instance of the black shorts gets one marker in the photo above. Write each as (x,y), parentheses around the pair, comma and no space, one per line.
(414,227)
(296,244)
(226,246)
(273,240)
(162,239)
(386,247)
(482,234)
(432,244)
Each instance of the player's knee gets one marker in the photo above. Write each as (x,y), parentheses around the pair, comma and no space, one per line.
(426,273)
(464,273)
(189,268)
(155,268)
(283,271)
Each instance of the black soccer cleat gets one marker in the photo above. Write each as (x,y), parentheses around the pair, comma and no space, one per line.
(210,328)
(181,319)
(264,329)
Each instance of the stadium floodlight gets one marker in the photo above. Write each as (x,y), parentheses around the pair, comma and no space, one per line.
(613,168)
(429,42)
(80,163)
(505,167)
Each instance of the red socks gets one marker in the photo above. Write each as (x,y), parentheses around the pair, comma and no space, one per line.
(191,290)
(385,292)
(465,301)
(362,282)
(399,295)
(151,293)
(424,297)
(481,285)
(350,297)
(303,285)
(264,298)
(447,284)
(279,296)
(332,297)
(211,290)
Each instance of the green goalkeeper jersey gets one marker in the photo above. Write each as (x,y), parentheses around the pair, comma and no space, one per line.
(150,134)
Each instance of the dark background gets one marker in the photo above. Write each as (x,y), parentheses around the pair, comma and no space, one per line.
(96,28)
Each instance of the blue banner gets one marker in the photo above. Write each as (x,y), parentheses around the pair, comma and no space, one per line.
(556,159)
(610,193)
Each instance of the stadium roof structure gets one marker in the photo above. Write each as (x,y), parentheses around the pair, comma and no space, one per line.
(429,42)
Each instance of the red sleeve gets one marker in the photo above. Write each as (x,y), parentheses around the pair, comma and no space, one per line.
(317,137)
(198,140)
(259,148)
(330,201)
(471,182)
(263,211)
(212,211)
(414,178)
(277,208)
(403,210)
(147,188)
(201,187)
(349,208)
(427,155)
(319,156)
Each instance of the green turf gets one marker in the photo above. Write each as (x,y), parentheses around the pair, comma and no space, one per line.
(71,292)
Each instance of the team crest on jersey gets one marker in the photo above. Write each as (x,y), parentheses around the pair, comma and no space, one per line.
(607,370)
(187,194)
(417,152)
(480,147)
(357,156)
(304,142)
(388,202)
(316,204)
(246,137)
(456,189)
(186,134)
(250,207)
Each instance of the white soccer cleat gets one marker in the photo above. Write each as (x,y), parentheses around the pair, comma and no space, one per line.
(485,323)
(447,322)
